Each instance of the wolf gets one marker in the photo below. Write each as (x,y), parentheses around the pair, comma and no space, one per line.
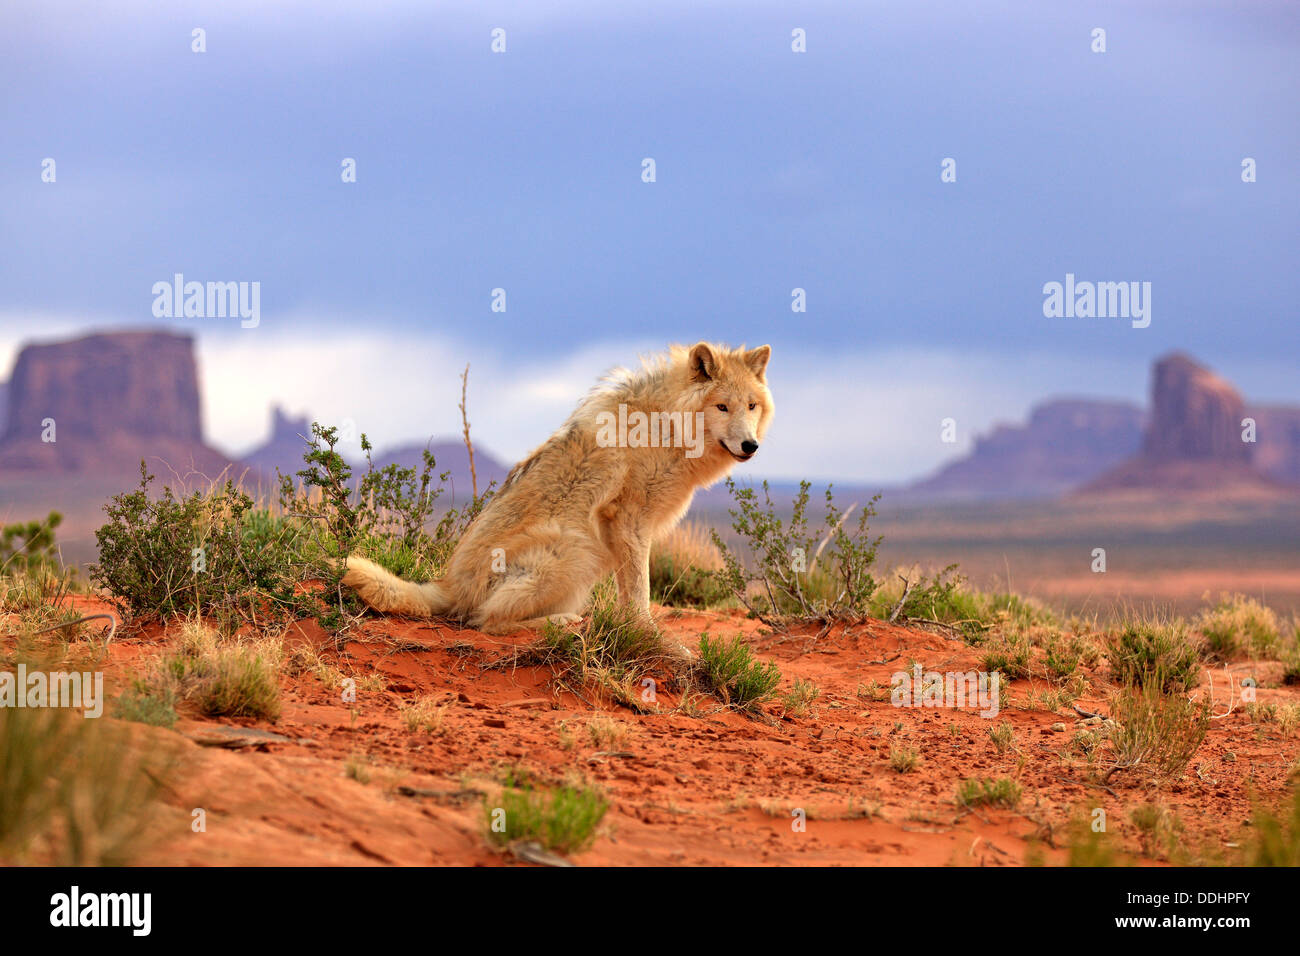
(583,506)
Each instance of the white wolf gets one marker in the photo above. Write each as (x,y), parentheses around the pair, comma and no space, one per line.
(582,506)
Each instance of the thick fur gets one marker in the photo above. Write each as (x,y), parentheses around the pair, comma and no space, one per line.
(574,511)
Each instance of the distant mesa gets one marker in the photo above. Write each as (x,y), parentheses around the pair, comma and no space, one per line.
(282,451)
(114,398)
(1065,443)
(1277,453)
(1189,443)
(1193,440)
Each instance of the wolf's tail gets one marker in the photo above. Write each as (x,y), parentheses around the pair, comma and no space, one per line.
(385,591)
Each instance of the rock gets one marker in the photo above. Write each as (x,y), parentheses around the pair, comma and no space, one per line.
(1065,443)
(1193,441)
(1195,415)
(1277,436)
(533,852)
(283,450)
(114,398)
(235,738)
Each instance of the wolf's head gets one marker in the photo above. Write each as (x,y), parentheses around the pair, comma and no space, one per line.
(732,397)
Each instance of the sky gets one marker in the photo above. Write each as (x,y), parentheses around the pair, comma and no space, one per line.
(775,170)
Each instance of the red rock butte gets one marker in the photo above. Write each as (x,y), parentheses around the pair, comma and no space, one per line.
(114,398)
(1193,440)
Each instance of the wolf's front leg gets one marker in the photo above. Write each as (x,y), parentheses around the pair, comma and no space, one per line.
(633,571)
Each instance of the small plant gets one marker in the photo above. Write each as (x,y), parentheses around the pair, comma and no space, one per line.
(795,581)
(904,759)
(384,516)
(357,767)
(612,649)
(1157,732)
(218,678)
(683,569)
(980,791)
(1276,837)
(1157,653)
(730,671)
(1291,669)
(612,638)
(1064,654)
(946,598)
(164,556)
(27,547)
(1003,736)
(801,697)
(1089,846)
(423,715)
(563,820)
(147,704)
(607,733)
(1239,626)
(872,690)
(1009,655)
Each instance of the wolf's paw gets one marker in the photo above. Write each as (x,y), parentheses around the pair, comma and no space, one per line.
(506,628)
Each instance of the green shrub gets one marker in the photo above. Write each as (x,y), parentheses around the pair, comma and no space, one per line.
(1003,736)
(563,820)
(730,671)
(1237,626)
(1009,655)
(980,791)
(613,637)
(904,759)
(796,580)
(677,585)
(27,547)
(1158,653)
(801,697)
(946,598)
(148,704)
(218,677)
(384,516)
(684,567)
(1156,732)
(168,556)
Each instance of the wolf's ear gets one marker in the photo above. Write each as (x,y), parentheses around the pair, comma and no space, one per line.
(702,363)
(757,358)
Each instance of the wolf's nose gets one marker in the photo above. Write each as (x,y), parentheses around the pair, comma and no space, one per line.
(749,447)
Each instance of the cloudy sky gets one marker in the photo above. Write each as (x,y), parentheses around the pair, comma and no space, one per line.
(775,170)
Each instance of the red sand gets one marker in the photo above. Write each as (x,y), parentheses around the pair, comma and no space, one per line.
(717,788)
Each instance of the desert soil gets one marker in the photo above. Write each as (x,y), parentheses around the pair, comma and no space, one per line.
(715,787)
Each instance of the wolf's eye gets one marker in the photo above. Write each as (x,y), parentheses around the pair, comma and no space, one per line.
(722,408)
(753,405)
